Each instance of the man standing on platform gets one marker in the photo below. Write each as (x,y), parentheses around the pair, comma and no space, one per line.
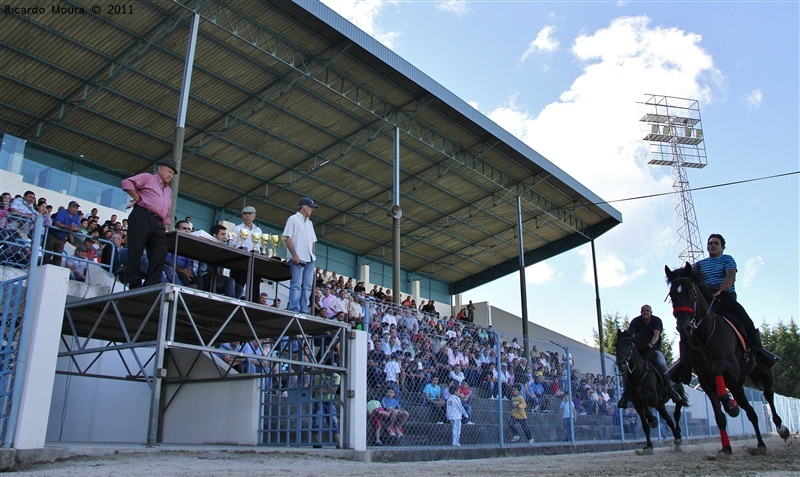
(248,216)
(67,220)
(301,243)
(149,221)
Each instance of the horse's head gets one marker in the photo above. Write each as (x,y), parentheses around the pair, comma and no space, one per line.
(624,348)
(683,292)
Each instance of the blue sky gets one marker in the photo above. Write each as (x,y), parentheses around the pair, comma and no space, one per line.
(565,77)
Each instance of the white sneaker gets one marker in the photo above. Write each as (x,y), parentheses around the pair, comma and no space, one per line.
(470,423)
(505,398)
(439,423)
(515,439)
(493,398)
(531,441)
(457,445)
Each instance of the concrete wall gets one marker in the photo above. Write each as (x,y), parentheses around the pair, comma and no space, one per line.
(224,412)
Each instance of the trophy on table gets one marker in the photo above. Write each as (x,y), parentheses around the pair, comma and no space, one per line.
(231,236)
(243,233)
(265,240)
(256,236)
(275,239)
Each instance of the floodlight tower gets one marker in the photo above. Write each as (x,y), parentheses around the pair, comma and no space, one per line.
(673,132)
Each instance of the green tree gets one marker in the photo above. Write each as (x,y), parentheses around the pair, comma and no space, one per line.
(610,325)
(784,340)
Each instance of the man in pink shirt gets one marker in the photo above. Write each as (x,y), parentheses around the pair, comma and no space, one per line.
(148,222)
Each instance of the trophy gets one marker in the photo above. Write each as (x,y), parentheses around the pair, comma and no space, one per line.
(243,233)
(231,236)
(265,239)
(256,236)
(275,239)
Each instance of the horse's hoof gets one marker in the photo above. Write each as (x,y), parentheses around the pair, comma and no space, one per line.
(645,451)
(677,442)
(757,450)
(730,405)
(783,432)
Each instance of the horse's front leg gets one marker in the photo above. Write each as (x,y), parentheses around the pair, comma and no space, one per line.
(674,426)
(644,416)
(728,402)
(714,390)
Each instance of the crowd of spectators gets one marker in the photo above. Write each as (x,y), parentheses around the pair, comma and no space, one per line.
(88,234)
(411,347)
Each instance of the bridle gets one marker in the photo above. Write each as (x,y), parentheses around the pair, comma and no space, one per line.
(626,368)
(692,309)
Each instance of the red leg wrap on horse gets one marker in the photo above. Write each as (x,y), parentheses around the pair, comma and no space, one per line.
(721,389)
(723,435)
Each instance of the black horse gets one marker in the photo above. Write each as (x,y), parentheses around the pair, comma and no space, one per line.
(647,389)
(716,354)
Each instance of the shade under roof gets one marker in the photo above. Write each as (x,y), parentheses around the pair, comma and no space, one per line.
(288,100)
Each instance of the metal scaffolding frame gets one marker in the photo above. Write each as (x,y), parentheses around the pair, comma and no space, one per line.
(149,322)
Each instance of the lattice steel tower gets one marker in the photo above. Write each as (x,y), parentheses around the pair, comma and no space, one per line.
(673,132)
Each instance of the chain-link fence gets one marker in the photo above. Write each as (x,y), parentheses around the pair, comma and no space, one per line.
(301,397)
(513,391)
(16,272)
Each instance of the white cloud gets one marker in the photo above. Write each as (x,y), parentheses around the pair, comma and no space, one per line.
(753,100)
(539,274)
(593,134)
(751,268)
(364,14)
(612,272)
(459,7)
(544,42)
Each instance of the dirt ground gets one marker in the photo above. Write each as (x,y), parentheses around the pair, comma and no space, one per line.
(782,459)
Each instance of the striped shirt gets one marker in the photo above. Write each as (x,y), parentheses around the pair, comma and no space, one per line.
(714,270)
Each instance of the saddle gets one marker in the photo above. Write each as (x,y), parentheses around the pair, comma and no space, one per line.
(736,330)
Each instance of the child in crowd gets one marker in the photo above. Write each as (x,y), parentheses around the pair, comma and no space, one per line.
(377,415)
(518,416)
(392,405)
(567,414)
(455,410)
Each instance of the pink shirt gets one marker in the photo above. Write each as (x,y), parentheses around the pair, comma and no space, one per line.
(155,195)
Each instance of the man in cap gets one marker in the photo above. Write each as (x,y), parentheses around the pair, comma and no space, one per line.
(66,220)
(77,264)
(248,217)
(301,244)
(149,221)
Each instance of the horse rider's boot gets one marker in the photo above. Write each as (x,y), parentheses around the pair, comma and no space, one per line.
(677,397)
(680,372)
(766,358)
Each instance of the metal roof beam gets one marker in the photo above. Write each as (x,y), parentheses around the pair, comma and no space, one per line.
(271,43)
(104,76)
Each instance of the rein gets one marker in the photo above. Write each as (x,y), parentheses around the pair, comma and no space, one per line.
(691,310)
(629,371)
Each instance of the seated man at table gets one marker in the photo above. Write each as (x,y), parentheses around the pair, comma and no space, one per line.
(184,267)
(225,285)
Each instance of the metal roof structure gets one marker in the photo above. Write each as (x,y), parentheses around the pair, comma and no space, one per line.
(288,99)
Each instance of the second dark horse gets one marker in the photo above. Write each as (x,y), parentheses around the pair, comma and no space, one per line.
(647,389)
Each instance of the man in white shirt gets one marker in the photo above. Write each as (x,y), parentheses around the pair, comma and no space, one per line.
(236,240)
(301,243)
